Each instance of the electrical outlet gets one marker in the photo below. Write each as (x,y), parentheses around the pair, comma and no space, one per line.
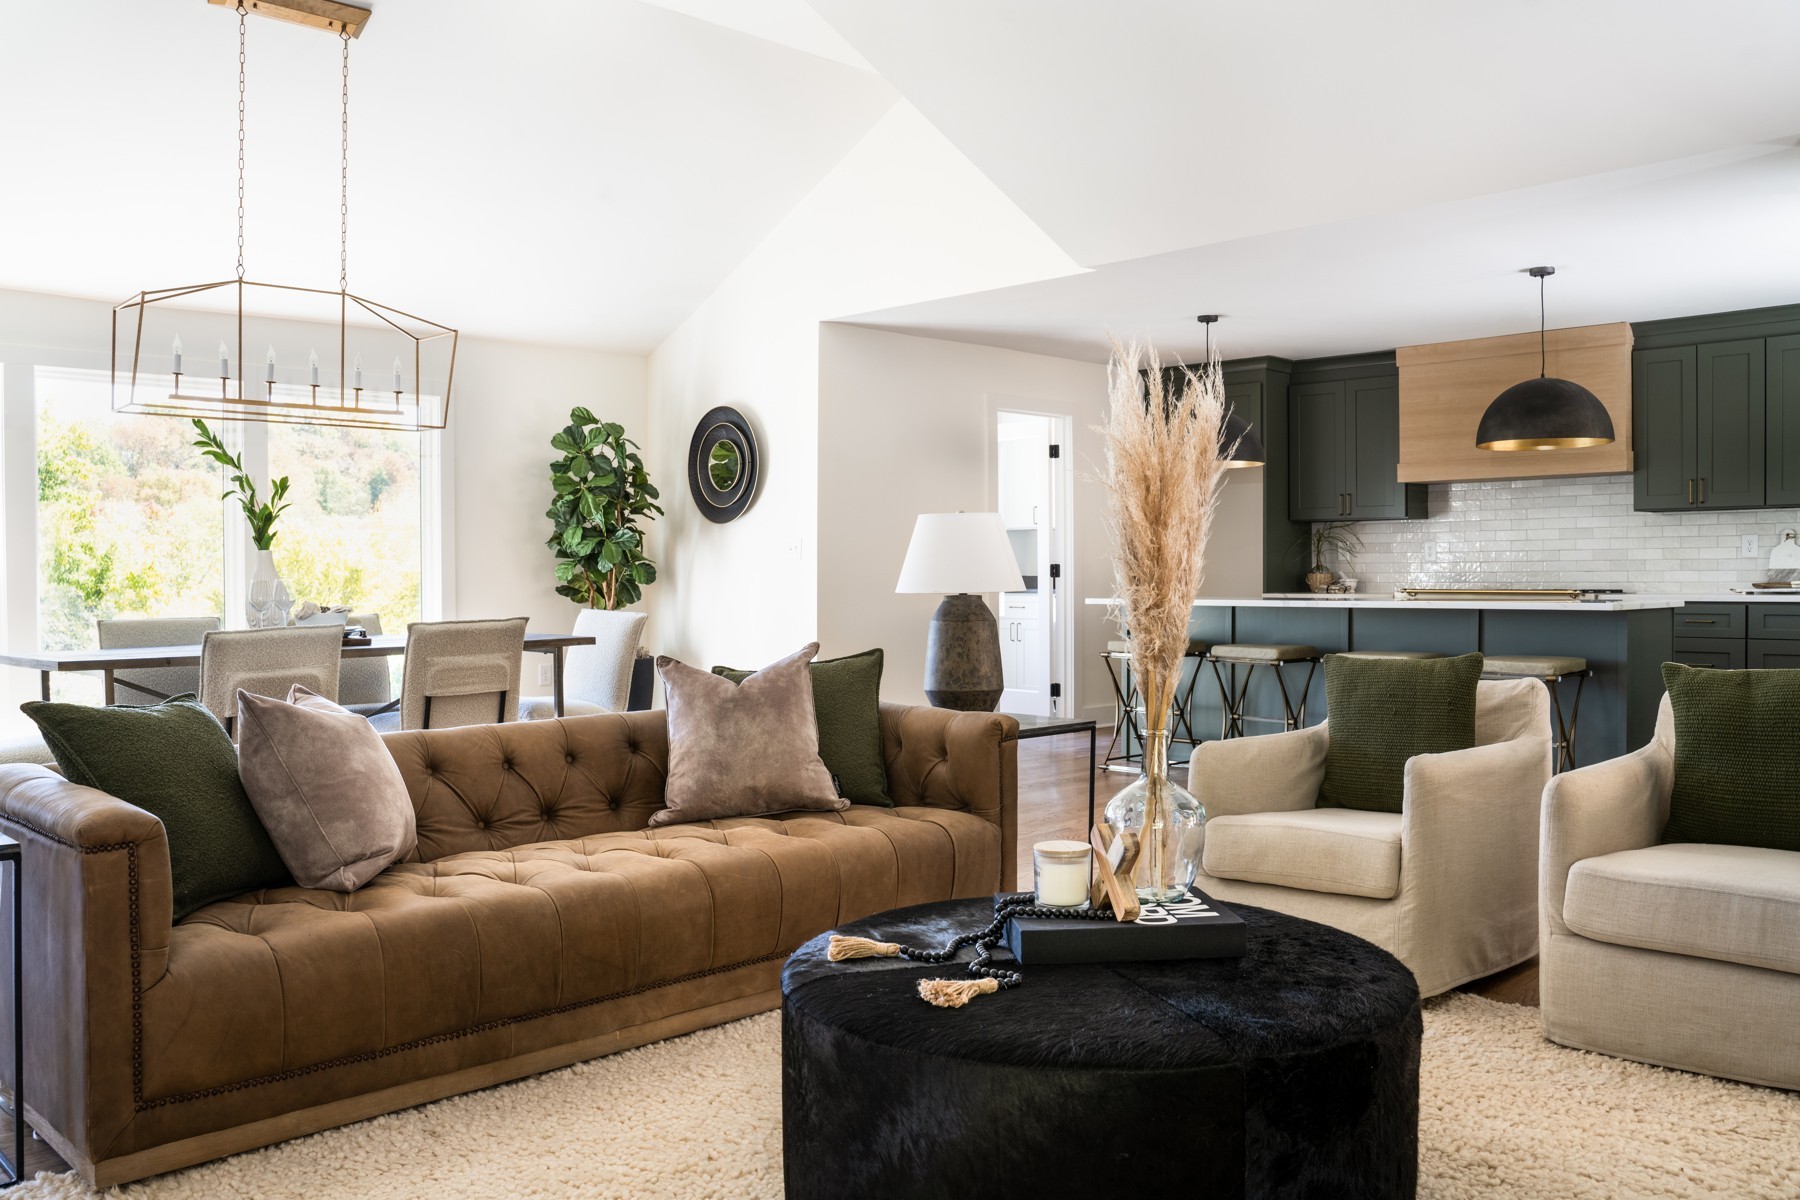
(1750,550)
(544,676)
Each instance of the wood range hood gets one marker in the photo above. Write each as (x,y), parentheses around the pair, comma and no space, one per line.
(1446,386)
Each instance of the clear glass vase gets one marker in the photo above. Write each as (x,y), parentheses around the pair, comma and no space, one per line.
(266,599)
(1168,821)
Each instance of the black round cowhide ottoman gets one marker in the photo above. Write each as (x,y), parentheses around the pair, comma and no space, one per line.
(1290,1072)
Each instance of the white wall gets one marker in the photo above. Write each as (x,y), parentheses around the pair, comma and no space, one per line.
(903,217)
(907,425)
(508,401)
(509,398)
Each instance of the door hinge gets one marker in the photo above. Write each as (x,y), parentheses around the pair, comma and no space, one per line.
(1056,691)
(1055,574)
(1055,450)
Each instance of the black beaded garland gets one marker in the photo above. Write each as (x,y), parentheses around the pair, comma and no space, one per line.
(1006,907)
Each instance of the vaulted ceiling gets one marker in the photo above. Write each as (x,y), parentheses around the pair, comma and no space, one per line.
(1329,176)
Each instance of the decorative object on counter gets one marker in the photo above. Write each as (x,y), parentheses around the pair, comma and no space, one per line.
(962,555)
(1061,872)
(1337,538)
(723,466)
(268,600)
(1544,413)
(1163,476)
(1343,586)
(1239,446)
(355,319)
(602,492)
(1784,559)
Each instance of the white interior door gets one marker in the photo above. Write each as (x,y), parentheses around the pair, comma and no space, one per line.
(1027,494)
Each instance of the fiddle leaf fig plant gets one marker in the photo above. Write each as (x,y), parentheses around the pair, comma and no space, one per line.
(260,516)
(602,493)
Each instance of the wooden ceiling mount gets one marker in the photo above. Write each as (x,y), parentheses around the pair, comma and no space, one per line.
(328,15)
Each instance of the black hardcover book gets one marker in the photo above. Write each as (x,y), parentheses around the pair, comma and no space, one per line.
(1197,927)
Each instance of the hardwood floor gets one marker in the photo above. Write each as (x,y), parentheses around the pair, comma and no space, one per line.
(1053,804)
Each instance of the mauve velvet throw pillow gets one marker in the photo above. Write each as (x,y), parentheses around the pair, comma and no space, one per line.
(326,788)
(743,749)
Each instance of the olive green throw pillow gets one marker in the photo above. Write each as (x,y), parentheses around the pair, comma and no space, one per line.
(847,701)
(175,761)
(1382,711)
(1737,757)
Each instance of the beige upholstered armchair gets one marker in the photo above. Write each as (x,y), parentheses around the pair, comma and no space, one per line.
(1684,955)
(1447,885)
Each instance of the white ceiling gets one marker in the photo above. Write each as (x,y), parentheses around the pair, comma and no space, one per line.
(1336,178)
(570,171)
(1131,129)
(1331,177)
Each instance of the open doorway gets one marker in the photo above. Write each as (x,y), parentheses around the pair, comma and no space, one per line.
(1036,636)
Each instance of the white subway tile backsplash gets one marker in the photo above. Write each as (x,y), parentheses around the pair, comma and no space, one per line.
(1562,533)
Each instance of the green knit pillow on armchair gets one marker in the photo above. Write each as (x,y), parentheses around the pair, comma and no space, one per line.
(1737,757)
(1382,711)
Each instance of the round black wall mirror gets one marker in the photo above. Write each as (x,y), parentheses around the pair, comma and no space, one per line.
(722,465)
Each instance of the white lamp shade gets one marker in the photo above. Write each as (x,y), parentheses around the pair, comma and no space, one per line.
(959,552)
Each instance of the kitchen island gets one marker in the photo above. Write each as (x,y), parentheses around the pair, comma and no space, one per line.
(1625,640)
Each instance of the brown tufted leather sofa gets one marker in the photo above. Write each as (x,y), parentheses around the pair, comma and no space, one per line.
(537,923)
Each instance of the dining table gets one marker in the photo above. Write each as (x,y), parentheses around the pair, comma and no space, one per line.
(132,658)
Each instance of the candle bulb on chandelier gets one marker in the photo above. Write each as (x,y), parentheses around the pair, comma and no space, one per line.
(269,375)
(312,360)
(357,382)
(224,362)
(397,387)
(177,369)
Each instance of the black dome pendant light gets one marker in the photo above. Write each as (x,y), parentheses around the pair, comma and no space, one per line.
(1544,413)
(1246,449)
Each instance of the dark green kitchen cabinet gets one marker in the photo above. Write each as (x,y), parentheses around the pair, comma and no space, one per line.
(1344,447)
(1782,421)
(1665,421)
(1698,417)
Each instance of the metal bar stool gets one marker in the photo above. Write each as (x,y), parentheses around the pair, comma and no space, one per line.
(1126,704)
(1183,716)
(1551,669)
(1250,656)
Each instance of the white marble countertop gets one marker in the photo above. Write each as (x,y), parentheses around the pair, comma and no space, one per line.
(1630,602)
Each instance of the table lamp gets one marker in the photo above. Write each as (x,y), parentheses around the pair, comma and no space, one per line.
(961,555)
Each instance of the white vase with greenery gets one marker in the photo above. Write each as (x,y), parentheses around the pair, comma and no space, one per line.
(267,598)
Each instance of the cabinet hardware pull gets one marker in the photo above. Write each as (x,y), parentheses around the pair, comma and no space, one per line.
(1703,489)
(1690,491)
(1699,621)
(1034,509)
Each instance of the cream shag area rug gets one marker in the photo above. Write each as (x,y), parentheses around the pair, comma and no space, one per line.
(1504,1115)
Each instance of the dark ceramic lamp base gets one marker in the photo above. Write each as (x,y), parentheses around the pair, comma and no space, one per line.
(962,655)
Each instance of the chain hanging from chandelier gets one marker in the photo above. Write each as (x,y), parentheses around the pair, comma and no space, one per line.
(419,395)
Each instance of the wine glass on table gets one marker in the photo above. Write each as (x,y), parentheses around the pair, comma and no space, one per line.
(262,599)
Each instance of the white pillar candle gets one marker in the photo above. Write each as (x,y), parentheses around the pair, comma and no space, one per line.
(1062,871)
(177,356)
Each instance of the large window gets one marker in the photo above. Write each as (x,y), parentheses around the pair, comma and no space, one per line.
(352,535)
(131,524)
(129,519)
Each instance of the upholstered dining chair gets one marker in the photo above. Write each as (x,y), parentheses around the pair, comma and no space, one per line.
(154,684)
(597,678)
(458,673)
(1448,885)
(365,685)
(267,662)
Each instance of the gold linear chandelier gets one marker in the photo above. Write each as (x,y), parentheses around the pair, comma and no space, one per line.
(419,395)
